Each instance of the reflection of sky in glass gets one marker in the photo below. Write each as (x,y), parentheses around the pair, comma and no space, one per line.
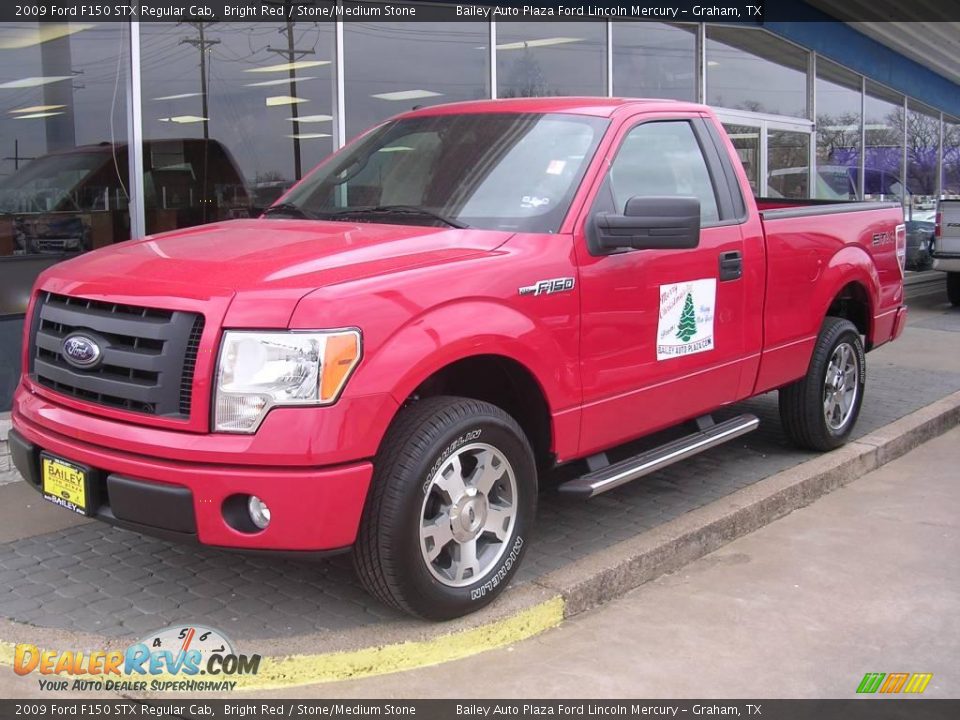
(38,113)
(654,60)
(567,58)
(745,79)
(390,68)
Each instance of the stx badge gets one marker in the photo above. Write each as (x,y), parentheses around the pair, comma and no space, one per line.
(548,287)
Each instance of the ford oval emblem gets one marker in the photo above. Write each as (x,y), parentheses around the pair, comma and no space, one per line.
(81,351)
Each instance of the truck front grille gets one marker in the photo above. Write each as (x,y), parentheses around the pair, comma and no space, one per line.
(148,356)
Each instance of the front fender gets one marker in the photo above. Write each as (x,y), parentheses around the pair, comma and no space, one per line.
(471,327)
(467,328)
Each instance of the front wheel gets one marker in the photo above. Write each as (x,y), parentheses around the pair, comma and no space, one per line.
(452,500)
(819,411)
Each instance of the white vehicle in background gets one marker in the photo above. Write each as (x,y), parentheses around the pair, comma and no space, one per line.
(946,246)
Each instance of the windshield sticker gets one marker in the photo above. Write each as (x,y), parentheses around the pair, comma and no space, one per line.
(556,167)
(532,201)
(686,318)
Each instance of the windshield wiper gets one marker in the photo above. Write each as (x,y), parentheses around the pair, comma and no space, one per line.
(396,210)
(289,209)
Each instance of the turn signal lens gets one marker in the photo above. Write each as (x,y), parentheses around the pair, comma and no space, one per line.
(340,356)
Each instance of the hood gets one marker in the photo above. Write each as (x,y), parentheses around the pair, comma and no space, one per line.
(266,265)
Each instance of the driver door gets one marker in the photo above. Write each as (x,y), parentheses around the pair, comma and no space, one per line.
(662,330)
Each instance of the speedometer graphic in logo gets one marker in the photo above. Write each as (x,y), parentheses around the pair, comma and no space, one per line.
(184,638)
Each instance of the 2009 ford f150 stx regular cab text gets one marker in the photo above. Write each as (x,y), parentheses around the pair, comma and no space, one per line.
(395,354)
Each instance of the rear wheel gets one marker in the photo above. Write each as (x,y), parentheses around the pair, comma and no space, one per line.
(819,411)
(452,500)
(953,287)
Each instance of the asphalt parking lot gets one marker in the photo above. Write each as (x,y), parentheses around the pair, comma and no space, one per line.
(81,577)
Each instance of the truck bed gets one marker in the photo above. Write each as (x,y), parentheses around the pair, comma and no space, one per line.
(813,247)
(785,207)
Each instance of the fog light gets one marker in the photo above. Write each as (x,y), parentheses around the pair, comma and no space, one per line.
(259,512)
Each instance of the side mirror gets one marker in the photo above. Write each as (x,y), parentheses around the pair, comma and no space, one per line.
(649,223)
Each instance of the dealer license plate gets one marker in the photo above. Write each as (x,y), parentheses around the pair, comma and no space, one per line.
(64,483)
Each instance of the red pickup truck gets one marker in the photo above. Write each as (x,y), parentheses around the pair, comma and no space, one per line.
(454,304)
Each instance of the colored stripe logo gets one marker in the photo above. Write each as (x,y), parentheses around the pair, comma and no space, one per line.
(894,683)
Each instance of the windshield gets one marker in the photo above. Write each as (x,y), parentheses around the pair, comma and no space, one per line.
(49,183)
(496,171)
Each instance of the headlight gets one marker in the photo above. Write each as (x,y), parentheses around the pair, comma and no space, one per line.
(262,370)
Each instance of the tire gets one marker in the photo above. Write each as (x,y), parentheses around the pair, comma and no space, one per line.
(819,411)
(430,501)
(953,288)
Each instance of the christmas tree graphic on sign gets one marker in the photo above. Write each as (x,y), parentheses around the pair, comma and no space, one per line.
(686,318)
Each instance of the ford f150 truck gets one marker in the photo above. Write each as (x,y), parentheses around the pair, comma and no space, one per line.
(393,356)
(946,246)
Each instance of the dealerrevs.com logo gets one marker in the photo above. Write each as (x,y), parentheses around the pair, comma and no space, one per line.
(188,658)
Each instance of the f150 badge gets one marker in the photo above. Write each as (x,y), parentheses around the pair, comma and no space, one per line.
(548,287)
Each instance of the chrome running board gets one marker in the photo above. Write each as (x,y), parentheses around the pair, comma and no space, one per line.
(611,476)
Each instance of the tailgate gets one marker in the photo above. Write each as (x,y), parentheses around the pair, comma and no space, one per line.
(947,243)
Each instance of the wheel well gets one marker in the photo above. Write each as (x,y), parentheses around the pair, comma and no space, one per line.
(852,303)
(502,382)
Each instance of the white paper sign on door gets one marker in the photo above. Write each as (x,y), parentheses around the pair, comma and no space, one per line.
(686,318)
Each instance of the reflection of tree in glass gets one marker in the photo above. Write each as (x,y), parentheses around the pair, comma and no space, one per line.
(884,142)
(525,78)
(951,158)
(923,140)
(838,138)
(269,176)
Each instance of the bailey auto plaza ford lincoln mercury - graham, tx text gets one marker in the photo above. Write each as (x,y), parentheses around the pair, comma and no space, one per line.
(392,357)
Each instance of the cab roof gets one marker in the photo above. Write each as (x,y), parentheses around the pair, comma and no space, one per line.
(595,106)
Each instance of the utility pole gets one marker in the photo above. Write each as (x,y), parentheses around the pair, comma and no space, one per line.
(202,44)
(292,54)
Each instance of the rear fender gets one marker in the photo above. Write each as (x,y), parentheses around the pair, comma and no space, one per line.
(852,264)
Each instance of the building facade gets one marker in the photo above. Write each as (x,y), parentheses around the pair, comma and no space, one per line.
(115,130)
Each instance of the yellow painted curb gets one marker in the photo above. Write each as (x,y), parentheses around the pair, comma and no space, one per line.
(308,669)
(281,672)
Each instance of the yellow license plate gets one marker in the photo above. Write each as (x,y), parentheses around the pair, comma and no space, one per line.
(64,484)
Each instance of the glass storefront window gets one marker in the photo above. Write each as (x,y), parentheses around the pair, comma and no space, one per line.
(839,94)
(950,184)
(654,60)
(62,135)
(756,71)
(923,150)
(63,162)
(883,152)
(233,114)
(788,164)
(390,68)
(746,141)
(551,58)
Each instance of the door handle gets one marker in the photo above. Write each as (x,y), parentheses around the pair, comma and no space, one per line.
(731,265)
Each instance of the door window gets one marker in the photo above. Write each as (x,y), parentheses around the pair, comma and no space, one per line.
(660,159)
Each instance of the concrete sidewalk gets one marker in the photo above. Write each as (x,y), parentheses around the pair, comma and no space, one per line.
(867,579)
